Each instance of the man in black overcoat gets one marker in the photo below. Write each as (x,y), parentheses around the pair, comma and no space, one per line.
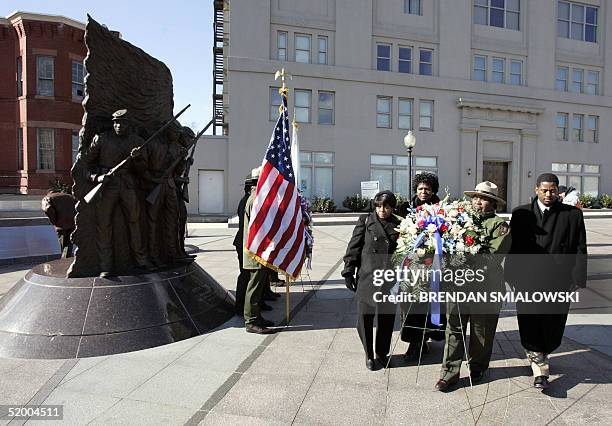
(548,254)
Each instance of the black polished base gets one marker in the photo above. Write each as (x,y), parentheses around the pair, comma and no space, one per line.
(46,315)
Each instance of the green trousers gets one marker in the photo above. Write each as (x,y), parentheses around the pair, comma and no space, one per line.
(482,335)
(258,281)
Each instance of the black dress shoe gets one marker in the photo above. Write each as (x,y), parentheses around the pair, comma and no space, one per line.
(476,376)
(264,322)
(269,296)
(264,306)
(446,385)
(382,360)
(540,382)
(257,329)
(370,364)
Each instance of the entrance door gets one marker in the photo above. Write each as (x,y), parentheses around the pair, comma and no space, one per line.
(497,172)
(210,191)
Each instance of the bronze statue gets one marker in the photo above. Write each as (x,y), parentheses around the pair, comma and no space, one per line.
(105,152)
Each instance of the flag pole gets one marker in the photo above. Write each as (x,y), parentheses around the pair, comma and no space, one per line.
(284,92)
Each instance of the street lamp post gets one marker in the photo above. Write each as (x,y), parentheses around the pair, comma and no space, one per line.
(409,143)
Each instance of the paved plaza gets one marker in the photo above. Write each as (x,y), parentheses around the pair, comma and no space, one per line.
(313,372)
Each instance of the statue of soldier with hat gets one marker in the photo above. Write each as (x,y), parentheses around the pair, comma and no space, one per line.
(105,152)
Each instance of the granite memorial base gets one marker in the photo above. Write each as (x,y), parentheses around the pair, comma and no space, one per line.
(46,315)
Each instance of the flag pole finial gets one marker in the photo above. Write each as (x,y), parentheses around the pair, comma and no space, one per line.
(282,73)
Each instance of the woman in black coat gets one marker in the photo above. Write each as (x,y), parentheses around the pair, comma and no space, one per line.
(373,242)
(425,186)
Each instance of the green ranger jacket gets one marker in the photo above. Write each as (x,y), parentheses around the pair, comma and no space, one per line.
(247,261)
(498,232)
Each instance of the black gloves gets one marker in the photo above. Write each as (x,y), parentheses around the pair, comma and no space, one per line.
(350,282)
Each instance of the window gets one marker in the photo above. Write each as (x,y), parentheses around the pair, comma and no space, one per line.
(275,103)
(383,112)
(425,62)
(74,137)
(45,74)
(323,50)
(592,134)
(426,115)
(497,71)
(578,121)
(302,106)
(383,57)
(19,77)
(281,48)
(577,21)
(46,149)
(592,85)
(516,72)
(392,170)
(480,68)
(562,122)
(405,60)
(562,77)
(583,177)
(404,120)
(326,107)
(577,79)
(78,79)
(317,168)
(302,48)
(412,7)
(20,148)
(497,13)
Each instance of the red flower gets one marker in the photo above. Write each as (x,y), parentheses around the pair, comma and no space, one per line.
(443,228)
(407,262)
(469,240)
(428,261)
(441,211)
(421,224)
(419,208)
(460,209)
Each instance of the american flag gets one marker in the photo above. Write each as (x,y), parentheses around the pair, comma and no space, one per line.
(276,229)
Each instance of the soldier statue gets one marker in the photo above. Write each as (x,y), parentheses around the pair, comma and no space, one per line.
(105,152)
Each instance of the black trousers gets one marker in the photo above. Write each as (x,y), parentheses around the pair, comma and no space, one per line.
(241,282)
(365,328)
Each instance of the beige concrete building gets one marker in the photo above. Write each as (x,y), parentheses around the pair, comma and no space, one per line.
(493,89)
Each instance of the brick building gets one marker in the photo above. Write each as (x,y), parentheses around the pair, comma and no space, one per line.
(41,90)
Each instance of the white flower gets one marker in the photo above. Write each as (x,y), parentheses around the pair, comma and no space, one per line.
(420,252)
(460,247)
(431,228)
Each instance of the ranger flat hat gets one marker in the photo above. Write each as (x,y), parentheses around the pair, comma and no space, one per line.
(120,114)
(486,189)
(255,173)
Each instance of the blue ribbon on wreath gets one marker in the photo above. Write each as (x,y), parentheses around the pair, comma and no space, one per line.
(434,283)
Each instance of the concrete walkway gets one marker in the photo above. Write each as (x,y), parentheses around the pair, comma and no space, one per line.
(313,372)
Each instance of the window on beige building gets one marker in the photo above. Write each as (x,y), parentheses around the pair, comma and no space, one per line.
(480,68)
(592,134)
(383,111)
(391,171)
(577,80)
(405,108)
(46,149)
(316,174)
(383,57)
(583,177)
(275,102)
(498,69)
(405,60)
(425,61)
(322,50)
(562,125)
(516,72)
(497,13)
(592,84)
(45,75)
(578,128)
(326,107)
(426,114)
(302,105)
(561,79)
(302,48)
(577,21)
(281,46)
(413,7)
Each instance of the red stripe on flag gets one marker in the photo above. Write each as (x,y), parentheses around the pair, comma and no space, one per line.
(260,215)
(296,246)
(286,235)
(282,209)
